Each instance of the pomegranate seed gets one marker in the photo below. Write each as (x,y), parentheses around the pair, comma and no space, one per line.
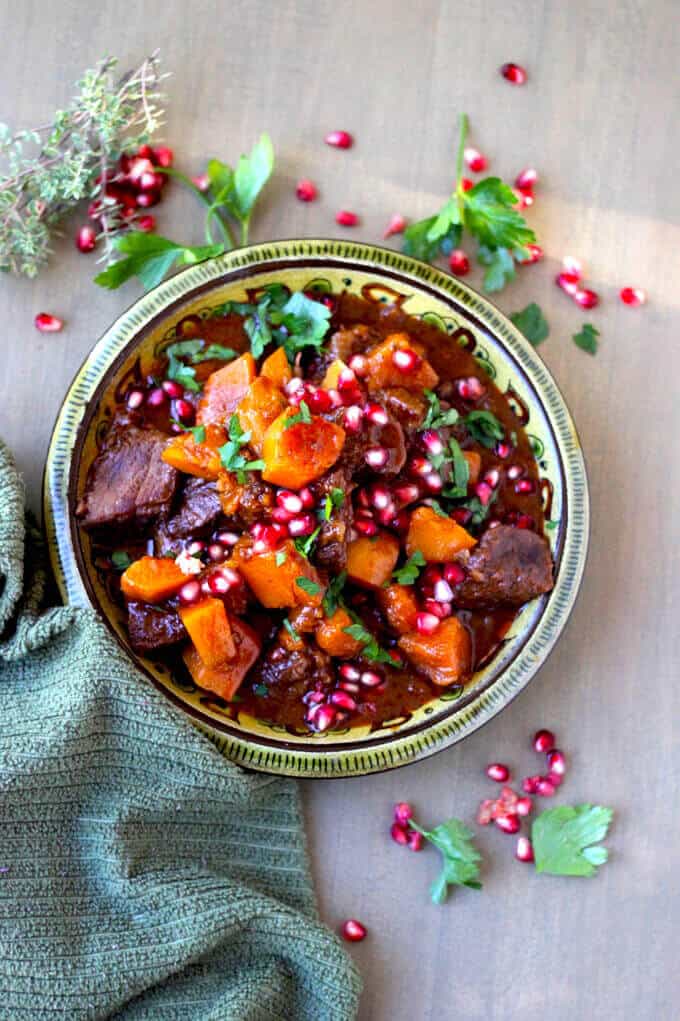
(556,762)
(420,465)
(353,418)
(164,156)
(544,741)
(184,410)
(319,401)
(515,471)
(304,525)
(530,784)
(345,218)
(349,672)
(195,548)
(306,190)
(349,686)
(507,823)
(514,73)
(138,167)
(525,486)
(47,323)
(498,772)
(365,526)
(172,389)
(572,266)
(339,139)
(405,359)
(370,679)
(586,298)
(305,495)
(439,610)
(630,295)
(524,199)
(205,588)
(218,584)
(399,833)
(426,623)
(433,482)
(324,718)
(379,496)
(376,457)
(508,801)
(134,399)
(156,398)
(144,199)
(555,779)
(408,493)
(535,255)
(526,178)
(430,576)
(470,388)
(403,812)
(227,538)
(524,850)
(86,239)
(353,931)
(401,521)
(346,380)
(459,264)
(545,788)
(475,160)
(415,841)
(216,552)
(376,414)
(503,449)
(397,225)
(524,806)
(336,399)
(453,574)
(281,515)
(484,492)
(432,441)
(343,701)
(267,537)
(189,593)
(443,592)
(359,365)
(461,515)
(492,477)
(485,812)
(466,183)
(289,501)
(150,181)
(568,282)
(201,181)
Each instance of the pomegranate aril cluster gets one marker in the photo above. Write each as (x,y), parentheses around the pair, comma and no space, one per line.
(570,279)
(401,832)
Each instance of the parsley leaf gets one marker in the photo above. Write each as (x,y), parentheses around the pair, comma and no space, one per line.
(281,557)
(332,596)
(230,453)
(435,417)
(260,689)
(461,857)
(305,546)
(532,323)
(312,588)
(306,322)
(238,190)
(150,257)
(197,431)
(480,511)
(587,338)
(563,839)
(408,574)
(121,560)
(371,650)
(489,215)
(484,428)
(423,239)
(177,370)
(291,630)
(500,267)
(460,472)
(302,415)
(225,354)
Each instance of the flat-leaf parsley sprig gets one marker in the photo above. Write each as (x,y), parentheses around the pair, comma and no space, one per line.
(487,212)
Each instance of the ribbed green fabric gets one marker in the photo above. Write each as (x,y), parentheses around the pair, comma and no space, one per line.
(143,876)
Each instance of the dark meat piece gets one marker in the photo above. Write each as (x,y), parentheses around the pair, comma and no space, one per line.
(331,547)
(282,668)
(128,481)
(391,436)
(408,408)
(245,503)
(509,565)
(150,627)
(197,512)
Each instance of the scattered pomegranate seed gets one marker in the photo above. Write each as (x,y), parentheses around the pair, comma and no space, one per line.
(346,219)
(524,850)
(432,441)
(405,359)
(164,156)
(443,593)
(376,457)
(503,449)
(172,388)
(304,525)
(634,296)
(434,482)
(184,410)
(399,833)
(339,139)
(156,398)
(544,741)
(498,771)
(359,365)
(86,239)
(189,593)
(535,255)
(408,493)
(475,160)
(466,183)
(507,823)
(440,610)
(202,181)
(526,178)
(289,501)
(525,486)
(459,262)
(514,73)
(586,298)
(306,190)
(349,672)
(379,497)
(370,679)
(218,584)
(366,527)
(484,493)
(545,788)
(403,812)
(146,223)
(216,552)
(524,806)
(426,623)
(397,225)
(227,538)
(572,266)
(353,931)
(135,399)
(343,701)
(485,812)
(376,414)
(530,784)
(454,574)
(470,388)
(195,548)
(415,841)
(319,402)
(47,323)
(305,495)
(556,762)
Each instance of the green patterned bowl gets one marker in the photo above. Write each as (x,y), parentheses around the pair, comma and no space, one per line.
(379,275)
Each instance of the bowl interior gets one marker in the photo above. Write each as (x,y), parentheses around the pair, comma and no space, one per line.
(125,354)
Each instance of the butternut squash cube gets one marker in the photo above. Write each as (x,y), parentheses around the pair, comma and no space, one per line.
(445,656)
(152,579)
(209,629)
(331,636)
(437,538)
(261,405)
(382,371)
(371,560)
(276,367)
(224,389)
(302,452)
(226,678)
(276,585)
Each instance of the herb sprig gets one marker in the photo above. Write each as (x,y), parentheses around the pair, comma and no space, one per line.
(230,453)
(408,573)
(292,321)
(460,857)
(435,418)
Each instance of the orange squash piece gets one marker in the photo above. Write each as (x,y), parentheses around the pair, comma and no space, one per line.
(437,538)
(297,455)
(185,454)
(224,389)
(276,367)
(262,404)
(399,605)
(152,579)
(275,586)
(330,380)
(474,462)
(382,372)
(371,560)
(225,679)
(209,629)
(445,656)
(331,636)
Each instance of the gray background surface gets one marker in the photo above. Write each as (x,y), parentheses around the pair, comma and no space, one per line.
(599,120)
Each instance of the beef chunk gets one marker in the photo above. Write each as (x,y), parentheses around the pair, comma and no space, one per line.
(245,503)
(282,668)
(128,482)
(197,512)
(509,565)
(331,546)
(390,435)
(408,408)
(151,627)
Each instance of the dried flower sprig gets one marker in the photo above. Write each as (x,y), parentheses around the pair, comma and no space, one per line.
(36,190)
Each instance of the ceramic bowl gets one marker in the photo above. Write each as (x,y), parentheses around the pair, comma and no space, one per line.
(464,317)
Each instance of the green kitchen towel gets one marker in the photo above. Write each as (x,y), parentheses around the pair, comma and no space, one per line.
(142,876)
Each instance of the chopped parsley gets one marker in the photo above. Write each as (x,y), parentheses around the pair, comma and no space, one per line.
(230,454)
(260,689)
(121,560)
(480,511)
(460,472)
(435,417)
(305,546)
(197,431)
(302,415)
(408,574)
(586,339)
(291,630)
(532,323)
(333,594)
(293,321)
(281,557)
(484,428)
(195,351)
(371,650)
(312,588)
